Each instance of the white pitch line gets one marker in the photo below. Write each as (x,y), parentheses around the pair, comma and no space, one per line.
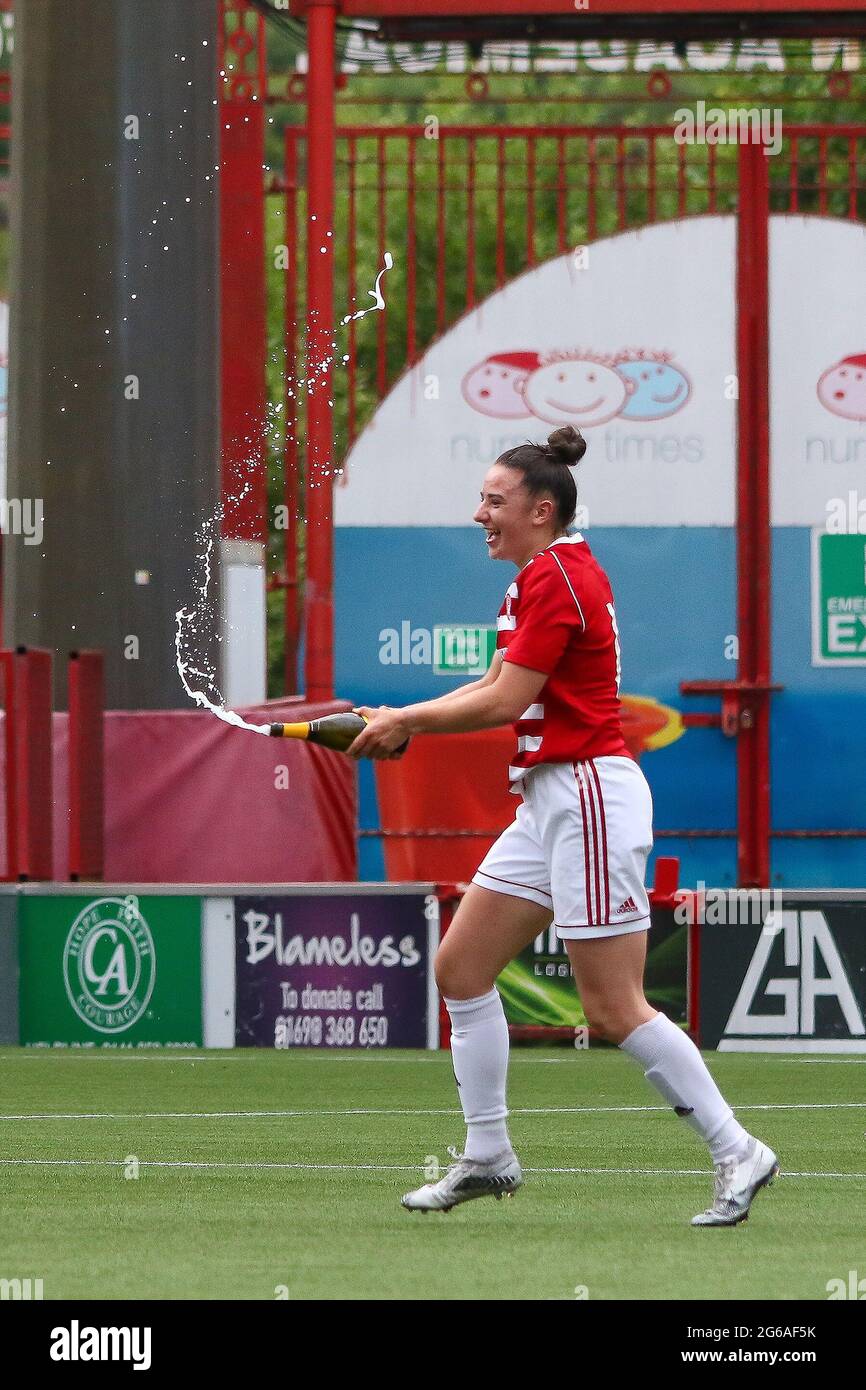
(40,1054)
(344,1055)
(451,1110)
(374,1167)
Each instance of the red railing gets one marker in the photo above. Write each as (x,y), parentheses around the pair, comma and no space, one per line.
(509,197)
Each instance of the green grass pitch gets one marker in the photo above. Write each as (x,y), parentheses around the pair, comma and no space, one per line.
(306,1204)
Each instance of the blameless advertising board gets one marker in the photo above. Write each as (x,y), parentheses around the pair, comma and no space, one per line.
(346,970)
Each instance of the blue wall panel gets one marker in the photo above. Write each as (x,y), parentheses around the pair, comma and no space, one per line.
(676,606)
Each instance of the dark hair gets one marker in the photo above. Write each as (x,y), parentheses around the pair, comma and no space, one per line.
(545,468)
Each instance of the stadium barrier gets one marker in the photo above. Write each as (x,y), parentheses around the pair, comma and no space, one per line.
(275,965)
(349,965)
(166,796)
(777,971)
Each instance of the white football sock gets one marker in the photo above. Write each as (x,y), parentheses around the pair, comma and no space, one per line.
(677,1070)
(479,1056)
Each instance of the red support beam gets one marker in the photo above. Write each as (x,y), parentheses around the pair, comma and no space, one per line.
(382,231)
(352,253)
(86,765)
(754,536)
(28,695)
(242,277)
(319,655)
(411,250)
(530,200)
(376,8)
(745,712)
(291,486)
(10,715)
(673,19)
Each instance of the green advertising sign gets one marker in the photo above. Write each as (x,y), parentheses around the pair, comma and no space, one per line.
(463,651)
(111,971)
(538,990)
(838,599)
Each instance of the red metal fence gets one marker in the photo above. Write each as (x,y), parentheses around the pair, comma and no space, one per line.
(465,209)
(505,198)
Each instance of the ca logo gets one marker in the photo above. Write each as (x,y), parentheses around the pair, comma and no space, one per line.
(804,935)
(109,964)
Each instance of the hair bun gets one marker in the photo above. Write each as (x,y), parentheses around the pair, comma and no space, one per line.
(567,445)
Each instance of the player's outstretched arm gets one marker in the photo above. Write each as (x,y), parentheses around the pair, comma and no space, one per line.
(489,707)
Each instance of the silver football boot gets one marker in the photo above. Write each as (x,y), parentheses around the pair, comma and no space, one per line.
(466,1179)
(737,1183)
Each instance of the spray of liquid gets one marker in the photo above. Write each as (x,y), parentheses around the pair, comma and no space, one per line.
(375,293)
(186,626)
(189,620)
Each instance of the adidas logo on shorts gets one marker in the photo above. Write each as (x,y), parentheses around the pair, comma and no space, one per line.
(628,906)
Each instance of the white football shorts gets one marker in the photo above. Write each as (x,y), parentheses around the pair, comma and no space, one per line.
(578,847)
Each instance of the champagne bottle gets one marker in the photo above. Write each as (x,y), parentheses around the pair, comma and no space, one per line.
(335,731)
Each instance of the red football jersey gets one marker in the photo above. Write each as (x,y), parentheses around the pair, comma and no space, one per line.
(558,617)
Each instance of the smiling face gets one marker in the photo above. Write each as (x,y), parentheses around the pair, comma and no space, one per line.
(660,389)
(495,388)
(516,524)
(842,389)
(575,392)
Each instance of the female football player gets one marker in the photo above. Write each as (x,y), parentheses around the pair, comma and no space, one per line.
(576,852)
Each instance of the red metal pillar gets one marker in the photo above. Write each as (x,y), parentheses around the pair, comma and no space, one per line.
(753,518)
(291,623)
(28,698)
(321,118)
(86,762)
(10,743)
(242,273)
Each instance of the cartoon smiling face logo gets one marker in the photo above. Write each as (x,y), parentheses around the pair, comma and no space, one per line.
(842,388)
(576,389)
(495,386)
(660,388)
